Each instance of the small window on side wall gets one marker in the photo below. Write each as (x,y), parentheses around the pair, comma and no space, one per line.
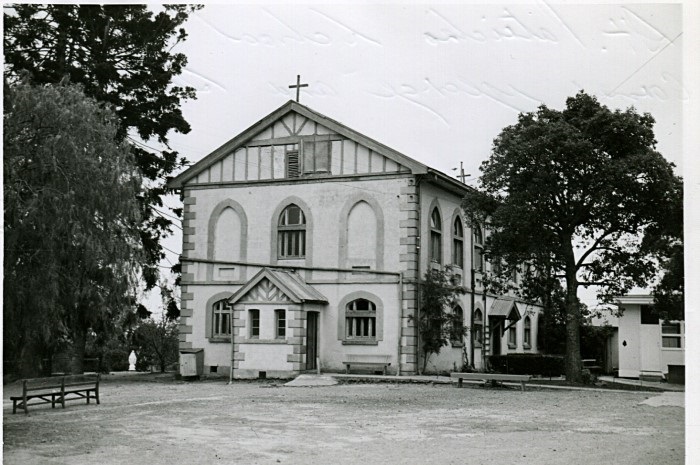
(671,335)
(254,324)
(280,324)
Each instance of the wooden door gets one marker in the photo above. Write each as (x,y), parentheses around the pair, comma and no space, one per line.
(311,340)
(496,334)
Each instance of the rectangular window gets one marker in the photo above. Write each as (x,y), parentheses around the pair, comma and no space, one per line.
(435,246)
(512,337)
(222,324)
(317,156)
(458,253)
(361,327)
(281,324)
(254,322)
(671,338)
(292,243)
(478,259)
(478,334)
(526,337)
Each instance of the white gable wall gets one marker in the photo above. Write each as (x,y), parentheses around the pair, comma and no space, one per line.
(340,215)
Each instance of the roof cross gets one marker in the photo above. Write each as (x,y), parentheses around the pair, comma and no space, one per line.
(298,86)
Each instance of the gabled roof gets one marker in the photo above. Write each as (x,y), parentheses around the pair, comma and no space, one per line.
(292,106)
(505,307)
(289,282)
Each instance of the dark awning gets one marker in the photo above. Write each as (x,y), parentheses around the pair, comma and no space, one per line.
(505,307)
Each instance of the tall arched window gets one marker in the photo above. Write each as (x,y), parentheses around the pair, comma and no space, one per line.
(527,333)
(478,330)
(458,243)
(361,320)
(221,323)
(435,236)
(478,257)
(291,236)
(457,330)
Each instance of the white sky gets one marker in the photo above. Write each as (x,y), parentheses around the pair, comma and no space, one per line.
(435,82)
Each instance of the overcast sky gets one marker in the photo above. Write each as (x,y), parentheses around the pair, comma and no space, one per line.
(435,82)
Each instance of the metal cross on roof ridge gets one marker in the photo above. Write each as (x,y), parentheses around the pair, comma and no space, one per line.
(298,86)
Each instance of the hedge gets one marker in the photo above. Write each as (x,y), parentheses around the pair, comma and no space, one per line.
(528,364)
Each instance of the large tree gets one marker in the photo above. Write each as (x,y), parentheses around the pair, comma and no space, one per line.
(122,55)
(573,193)
(71,221)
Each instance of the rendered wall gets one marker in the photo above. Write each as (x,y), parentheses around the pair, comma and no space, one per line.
(327,206)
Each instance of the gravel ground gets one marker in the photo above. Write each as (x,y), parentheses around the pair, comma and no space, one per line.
(147,420)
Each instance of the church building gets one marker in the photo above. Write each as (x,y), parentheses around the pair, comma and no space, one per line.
(304,242)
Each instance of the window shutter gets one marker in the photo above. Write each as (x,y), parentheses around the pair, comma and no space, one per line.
(293,164)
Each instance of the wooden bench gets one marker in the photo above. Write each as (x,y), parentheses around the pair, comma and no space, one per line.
(379,361)
(57,390)
(591,365)
(522,379)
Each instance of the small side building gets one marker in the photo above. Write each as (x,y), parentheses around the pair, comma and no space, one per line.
(647,346)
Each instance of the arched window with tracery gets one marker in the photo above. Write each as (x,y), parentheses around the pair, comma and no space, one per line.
(457,330)
(435,236)
(478,328)
(291,233)
(527,333)
(221,321)
(361,320)
(458,243)
(478,256)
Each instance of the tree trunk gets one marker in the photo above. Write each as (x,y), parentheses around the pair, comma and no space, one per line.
(29,360)
(78,359)
(572,359)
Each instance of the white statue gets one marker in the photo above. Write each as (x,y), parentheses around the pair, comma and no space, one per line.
(132,361)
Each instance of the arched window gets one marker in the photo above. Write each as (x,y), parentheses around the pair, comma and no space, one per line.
(457,330)
(478,330)
(435,236)
(458,243)
(527,332)
(478,249)
(291,236)
(361,320)
(221,311)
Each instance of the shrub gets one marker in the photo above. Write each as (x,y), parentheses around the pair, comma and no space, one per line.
(528,364)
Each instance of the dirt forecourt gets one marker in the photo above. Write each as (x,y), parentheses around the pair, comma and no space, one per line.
(144,421)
